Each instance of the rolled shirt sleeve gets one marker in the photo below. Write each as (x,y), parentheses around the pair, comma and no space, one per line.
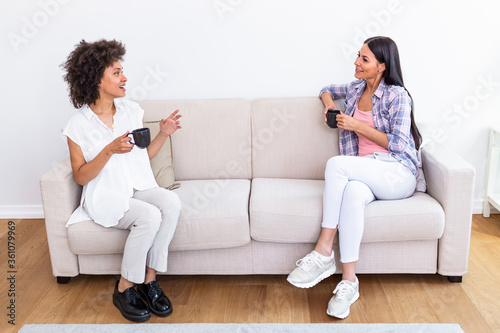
(338,91)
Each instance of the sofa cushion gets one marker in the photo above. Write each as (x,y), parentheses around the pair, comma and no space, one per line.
(162,163)
(214,215)
(290,138)
(290,211)
(215,139)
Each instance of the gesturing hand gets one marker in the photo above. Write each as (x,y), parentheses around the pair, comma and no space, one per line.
(171,124)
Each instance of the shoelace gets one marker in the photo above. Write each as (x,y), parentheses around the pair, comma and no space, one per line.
(343,290)
(132,295)
(308,261)
(154,289)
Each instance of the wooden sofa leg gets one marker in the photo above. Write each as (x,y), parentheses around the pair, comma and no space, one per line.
(455,279)
(63,279)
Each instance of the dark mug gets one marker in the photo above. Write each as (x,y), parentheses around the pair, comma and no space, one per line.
(331,118)
(142,137)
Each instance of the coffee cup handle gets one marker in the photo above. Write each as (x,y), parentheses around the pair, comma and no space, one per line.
(132,142)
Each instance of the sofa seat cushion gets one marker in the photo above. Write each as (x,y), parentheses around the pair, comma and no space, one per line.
(88,237)
(290,211)
(214,215)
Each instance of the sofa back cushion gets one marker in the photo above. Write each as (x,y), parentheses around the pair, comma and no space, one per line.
(213,140)
(290,138)
(162,164)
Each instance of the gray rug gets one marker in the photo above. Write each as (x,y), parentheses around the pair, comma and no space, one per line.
(244,328)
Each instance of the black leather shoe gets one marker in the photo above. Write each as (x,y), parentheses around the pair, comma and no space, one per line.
(131,305)
(158,303)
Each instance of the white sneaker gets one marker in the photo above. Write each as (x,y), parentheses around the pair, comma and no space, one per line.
(311,270)
(346,293)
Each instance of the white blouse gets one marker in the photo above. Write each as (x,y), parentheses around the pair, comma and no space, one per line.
(105,199)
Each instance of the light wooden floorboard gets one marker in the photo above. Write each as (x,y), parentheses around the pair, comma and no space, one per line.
(404,298)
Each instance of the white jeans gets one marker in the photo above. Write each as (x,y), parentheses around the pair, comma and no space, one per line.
(152,219)
(351,183)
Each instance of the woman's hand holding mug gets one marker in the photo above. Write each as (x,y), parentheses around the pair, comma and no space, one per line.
(121,144)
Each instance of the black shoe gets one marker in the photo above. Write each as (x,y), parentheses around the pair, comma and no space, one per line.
(130,304)
(158,303)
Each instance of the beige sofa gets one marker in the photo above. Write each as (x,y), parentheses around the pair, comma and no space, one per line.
(251,175)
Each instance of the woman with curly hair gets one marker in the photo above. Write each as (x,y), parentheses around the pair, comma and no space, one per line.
(119,189)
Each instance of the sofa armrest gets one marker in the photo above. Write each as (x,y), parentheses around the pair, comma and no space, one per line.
(450,180)
(60,197)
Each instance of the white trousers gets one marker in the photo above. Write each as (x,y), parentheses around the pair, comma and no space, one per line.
(351,183)
(151,219)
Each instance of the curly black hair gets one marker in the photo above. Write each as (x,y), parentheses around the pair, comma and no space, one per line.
(85,68)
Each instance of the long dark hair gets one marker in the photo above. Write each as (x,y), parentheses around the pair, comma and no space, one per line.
(386,52)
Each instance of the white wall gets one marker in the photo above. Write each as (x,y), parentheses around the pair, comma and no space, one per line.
(236,48)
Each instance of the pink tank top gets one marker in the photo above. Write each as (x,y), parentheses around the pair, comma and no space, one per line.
(366,146)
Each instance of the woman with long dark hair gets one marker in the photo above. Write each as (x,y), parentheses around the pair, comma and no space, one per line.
(378,159)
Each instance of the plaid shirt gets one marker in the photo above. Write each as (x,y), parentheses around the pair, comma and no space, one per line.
(391,115)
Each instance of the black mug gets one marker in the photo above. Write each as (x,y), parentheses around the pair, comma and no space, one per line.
(331,118)
(142,137)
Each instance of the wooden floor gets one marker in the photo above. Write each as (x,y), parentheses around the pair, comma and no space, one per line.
(474,303)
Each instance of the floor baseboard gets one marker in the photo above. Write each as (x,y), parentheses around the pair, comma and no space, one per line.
(21,212)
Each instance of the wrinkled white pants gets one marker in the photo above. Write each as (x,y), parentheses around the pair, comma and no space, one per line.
(151,219)
(351,182)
